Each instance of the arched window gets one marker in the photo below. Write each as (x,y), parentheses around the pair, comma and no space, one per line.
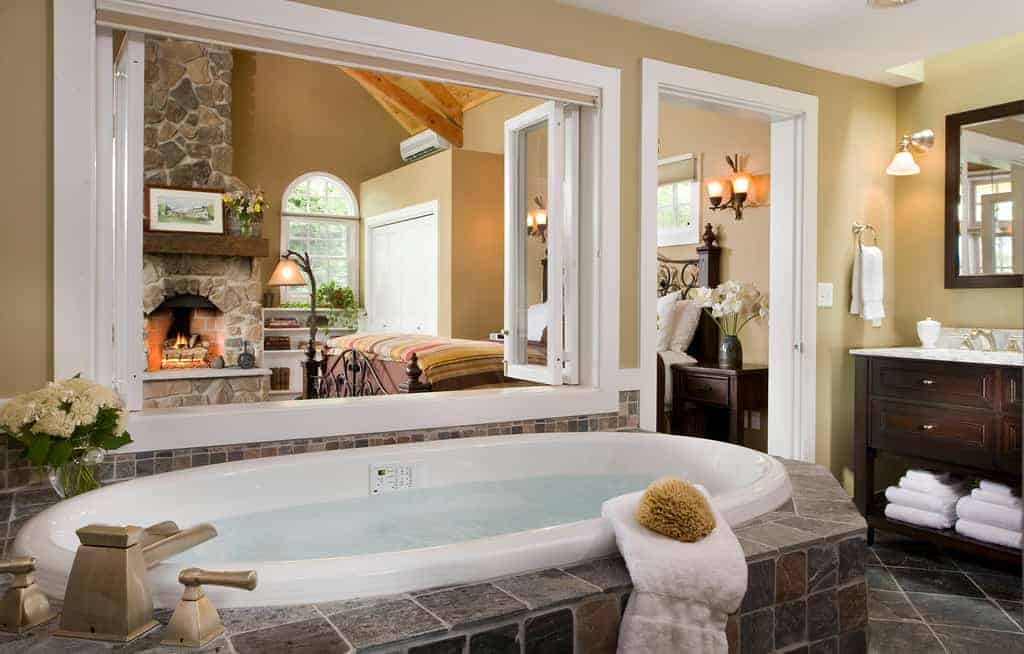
(320,215)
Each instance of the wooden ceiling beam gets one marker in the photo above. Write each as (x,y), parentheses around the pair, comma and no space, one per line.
(449,105)
(409,103)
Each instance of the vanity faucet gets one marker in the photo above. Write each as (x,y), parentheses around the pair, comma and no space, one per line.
(967,340)
(1013,344)
(988,337)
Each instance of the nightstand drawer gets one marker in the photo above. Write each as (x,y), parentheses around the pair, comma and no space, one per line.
(943,383)
(963,436)
(705,388)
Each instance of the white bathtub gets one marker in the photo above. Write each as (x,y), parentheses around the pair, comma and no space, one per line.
(743,484)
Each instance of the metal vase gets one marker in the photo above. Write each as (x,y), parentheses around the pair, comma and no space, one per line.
(730,352)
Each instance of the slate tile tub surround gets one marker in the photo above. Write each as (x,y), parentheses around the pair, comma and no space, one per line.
(806,593)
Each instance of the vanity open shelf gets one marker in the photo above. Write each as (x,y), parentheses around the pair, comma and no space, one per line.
(945,414)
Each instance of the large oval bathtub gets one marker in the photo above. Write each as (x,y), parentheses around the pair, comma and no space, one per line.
(315,530)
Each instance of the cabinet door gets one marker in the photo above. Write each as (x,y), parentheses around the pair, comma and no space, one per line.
(1008,452)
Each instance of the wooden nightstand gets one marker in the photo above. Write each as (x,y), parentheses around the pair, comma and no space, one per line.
(722,403)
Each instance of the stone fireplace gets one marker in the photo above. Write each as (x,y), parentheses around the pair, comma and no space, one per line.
(199,307)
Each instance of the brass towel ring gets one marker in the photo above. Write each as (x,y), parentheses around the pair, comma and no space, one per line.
(860,228)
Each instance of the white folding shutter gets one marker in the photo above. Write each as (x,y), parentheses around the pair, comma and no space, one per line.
(128,212)
(550,115)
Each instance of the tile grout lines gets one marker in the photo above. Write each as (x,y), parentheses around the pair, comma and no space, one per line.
(912,606)
(991,599)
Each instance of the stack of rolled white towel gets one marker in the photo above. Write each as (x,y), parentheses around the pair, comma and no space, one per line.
(992,513)
(925,498)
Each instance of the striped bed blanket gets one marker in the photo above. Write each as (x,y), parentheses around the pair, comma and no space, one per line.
(440,358)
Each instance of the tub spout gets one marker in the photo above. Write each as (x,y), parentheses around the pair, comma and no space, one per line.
(177,543)
(108,595)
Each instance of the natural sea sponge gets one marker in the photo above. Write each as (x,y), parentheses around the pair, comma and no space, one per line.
(675,508)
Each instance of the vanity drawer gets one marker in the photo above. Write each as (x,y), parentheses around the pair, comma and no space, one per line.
(941,383)
(1008,452)
(1012,401)
(957,435)
(707,389)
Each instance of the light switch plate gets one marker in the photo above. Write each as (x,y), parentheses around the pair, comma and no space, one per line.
(825,294)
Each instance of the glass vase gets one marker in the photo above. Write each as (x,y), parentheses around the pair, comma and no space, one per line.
(74,478)
(730,352)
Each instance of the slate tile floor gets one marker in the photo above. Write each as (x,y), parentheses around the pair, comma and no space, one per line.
(923,600)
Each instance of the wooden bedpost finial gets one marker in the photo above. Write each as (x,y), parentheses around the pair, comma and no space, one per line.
(709,236)
(413,372)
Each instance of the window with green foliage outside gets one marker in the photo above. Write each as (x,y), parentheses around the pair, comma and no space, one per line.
(320,215)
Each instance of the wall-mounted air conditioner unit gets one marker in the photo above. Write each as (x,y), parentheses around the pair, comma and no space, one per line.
(422,145)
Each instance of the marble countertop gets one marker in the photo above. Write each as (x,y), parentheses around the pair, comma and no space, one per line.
(944,354)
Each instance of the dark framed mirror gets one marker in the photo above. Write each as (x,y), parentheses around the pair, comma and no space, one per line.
(985,197)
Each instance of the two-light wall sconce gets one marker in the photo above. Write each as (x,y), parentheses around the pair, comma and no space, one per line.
(739,189)
(537,220)
(903,161)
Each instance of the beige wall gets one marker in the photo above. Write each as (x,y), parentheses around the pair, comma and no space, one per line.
(686,129)
(26,208)
(972,78)
(478,244)
(483,127)
(292,117)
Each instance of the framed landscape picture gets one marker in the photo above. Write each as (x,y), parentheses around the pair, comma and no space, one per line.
(170,209)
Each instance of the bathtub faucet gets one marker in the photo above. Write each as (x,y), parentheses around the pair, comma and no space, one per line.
(108,595)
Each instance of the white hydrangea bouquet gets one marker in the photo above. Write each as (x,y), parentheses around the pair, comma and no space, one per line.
(67,426)
(732,305)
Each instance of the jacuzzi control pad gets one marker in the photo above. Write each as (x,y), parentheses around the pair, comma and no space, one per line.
(391,477)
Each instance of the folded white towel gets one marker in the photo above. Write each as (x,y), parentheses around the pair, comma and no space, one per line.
(868,285)
(996,487)
(990,534)
(955,491)
(975,510)
(941,504)
(917,516)
(928,475)
(683,593)
(1008,501)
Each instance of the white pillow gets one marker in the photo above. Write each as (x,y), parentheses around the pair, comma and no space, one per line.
(687,318)
(668,316)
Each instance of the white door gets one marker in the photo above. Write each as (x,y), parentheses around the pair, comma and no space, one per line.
(541,244)
(401,271)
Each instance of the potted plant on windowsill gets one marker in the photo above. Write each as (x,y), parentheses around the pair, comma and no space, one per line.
(732,305)
(343,299)
(67,426)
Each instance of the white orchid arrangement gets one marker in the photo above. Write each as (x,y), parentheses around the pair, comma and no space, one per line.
(732,305)
(69,422)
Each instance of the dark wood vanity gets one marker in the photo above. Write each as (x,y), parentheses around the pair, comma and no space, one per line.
(947,415)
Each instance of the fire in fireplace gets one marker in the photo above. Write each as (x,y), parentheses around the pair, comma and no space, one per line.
(186,331)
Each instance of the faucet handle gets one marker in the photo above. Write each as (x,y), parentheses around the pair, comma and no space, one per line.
(195,621)
(23,606)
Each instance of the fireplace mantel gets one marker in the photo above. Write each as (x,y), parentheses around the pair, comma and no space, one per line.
(208,244)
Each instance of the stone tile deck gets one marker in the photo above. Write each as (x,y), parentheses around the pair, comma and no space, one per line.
(806,593)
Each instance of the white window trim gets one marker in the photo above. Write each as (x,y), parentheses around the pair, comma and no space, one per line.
(353,243)
(337,35)
(794,243)
(680,236)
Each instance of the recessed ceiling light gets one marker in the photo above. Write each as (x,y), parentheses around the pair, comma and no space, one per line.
(886,4)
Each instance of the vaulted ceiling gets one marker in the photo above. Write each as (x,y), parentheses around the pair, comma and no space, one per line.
(418,104)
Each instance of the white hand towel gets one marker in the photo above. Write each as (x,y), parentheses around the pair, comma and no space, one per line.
(683,593)
(928,475)
(1008,501)
(996,487)
(868,284)
(942,505)
(990,534)
(917,516)
(955,491)
(995,515)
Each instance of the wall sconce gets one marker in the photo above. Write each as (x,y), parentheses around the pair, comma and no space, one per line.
(537,220)
(739,187)
(903,161)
